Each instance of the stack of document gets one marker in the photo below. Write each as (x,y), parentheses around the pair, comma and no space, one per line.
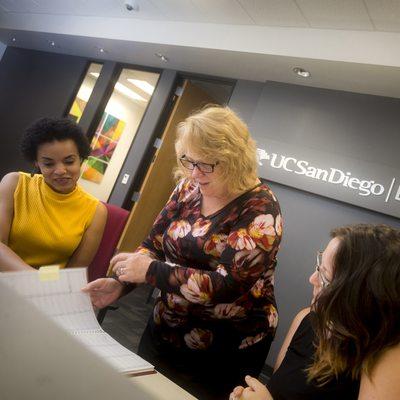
(62,300)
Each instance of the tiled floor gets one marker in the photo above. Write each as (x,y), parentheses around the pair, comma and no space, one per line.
(127,323)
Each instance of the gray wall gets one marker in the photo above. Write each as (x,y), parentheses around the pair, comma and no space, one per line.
(358,126)
(33,84)
(2,49)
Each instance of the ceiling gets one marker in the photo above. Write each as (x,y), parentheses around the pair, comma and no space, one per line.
(351,45)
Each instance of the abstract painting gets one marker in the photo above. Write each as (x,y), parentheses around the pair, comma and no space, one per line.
(103,145)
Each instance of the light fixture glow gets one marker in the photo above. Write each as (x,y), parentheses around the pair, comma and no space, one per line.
(161,57)
(123,89)
(52,43)
(14,39)
(128,92)
(145,86)
(301,72)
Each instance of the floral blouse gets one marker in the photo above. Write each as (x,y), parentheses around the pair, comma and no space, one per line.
(215,272)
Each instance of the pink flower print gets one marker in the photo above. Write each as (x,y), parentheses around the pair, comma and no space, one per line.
(272,314)
(263,231)
(215,245)
(278,225)
(258,289)
(178,229)
(158,310)
(250,340)
(198,289)
(241,240)
(221,270)
(177,303)
(198,339)
(230,310)
(200,228)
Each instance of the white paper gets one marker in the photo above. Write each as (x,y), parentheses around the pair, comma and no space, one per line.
(63,301)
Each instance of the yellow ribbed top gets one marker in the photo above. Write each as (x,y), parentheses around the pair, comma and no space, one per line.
(48,226)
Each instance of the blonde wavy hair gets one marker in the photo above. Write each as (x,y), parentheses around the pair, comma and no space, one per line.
(217,134)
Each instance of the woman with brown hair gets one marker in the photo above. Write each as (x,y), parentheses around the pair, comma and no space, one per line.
(348,346)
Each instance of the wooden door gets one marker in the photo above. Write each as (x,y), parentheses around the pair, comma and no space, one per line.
(158,182)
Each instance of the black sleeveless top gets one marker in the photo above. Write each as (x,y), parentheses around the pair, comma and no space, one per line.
(289,382)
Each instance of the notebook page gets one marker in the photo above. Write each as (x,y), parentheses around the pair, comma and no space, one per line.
(63,301)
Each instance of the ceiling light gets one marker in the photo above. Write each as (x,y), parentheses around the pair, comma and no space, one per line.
(14,39)
(161,56)
(301,72)
(123,89)
(101,50)
(128,92)
(145,86)
(52,43)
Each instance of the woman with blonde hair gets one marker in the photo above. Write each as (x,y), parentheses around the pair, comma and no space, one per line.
(212,253)
(348,346)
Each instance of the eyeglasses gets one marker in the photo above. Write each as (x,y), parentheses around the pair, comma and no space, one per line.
(202,167)
(323,279)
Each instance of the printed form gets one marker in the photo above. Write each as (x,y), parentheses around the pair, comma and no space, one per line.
(63,301)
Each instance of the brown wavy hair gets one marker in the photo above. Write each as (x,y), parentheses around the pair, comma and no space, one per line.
(357,316)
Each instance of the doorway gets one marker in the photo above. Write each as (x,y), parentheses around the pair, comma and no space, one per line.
(191,94)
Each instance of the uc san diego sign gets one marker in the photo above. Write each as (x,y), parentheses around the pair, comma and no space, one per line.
(368,185)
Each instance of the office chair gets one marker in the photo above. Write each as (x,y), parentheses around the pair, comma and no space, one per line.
(116,220)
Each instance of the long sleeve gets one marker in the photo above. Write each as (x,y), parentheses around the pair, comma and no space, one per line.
(241,255)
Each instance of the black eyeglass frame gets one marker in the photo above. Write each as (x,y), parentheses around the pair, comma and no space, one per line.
(191,165)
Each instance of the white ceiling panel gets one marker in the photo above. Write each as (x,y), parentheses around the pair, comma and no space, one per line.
(223,12)
(385,14)
(179,10)
(19,5)
(94,8)
(275,13)
(336,14)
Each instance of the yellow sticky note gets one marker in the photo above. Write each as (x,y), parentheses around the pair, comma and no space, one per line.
(49,273)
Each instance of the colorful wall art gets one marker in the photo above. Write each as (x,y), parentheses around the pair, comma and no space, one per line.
(103,144)
(77,109)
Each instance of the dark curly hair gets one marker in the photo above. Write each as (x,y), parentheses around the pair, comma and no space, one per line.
(46,130)
(357,317)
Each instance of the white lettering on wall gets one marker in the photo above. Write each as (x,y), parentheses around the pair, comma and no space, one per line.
(335,176)
(397,197)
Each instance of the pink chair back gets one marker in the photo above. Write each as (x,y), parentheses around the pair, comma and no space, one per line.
(116,220)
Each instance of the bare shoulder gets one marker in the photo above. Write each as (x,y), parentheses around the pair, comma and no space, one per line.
(10,181)
(300,316)
(101,212)
(99,219)
(383,382)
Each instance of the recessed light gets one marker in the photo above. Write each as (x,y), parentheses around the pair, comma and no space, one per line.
(301,72)
(14,39)
(52,43)
(100,49)
(161,57)
(131,5)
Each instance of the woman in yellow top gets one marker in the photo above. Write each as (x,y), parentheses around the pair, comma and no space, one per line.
(47,218)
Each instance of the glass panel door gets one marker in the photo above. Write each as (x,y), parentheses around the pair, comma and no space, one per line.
(85,91)
(116,131)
